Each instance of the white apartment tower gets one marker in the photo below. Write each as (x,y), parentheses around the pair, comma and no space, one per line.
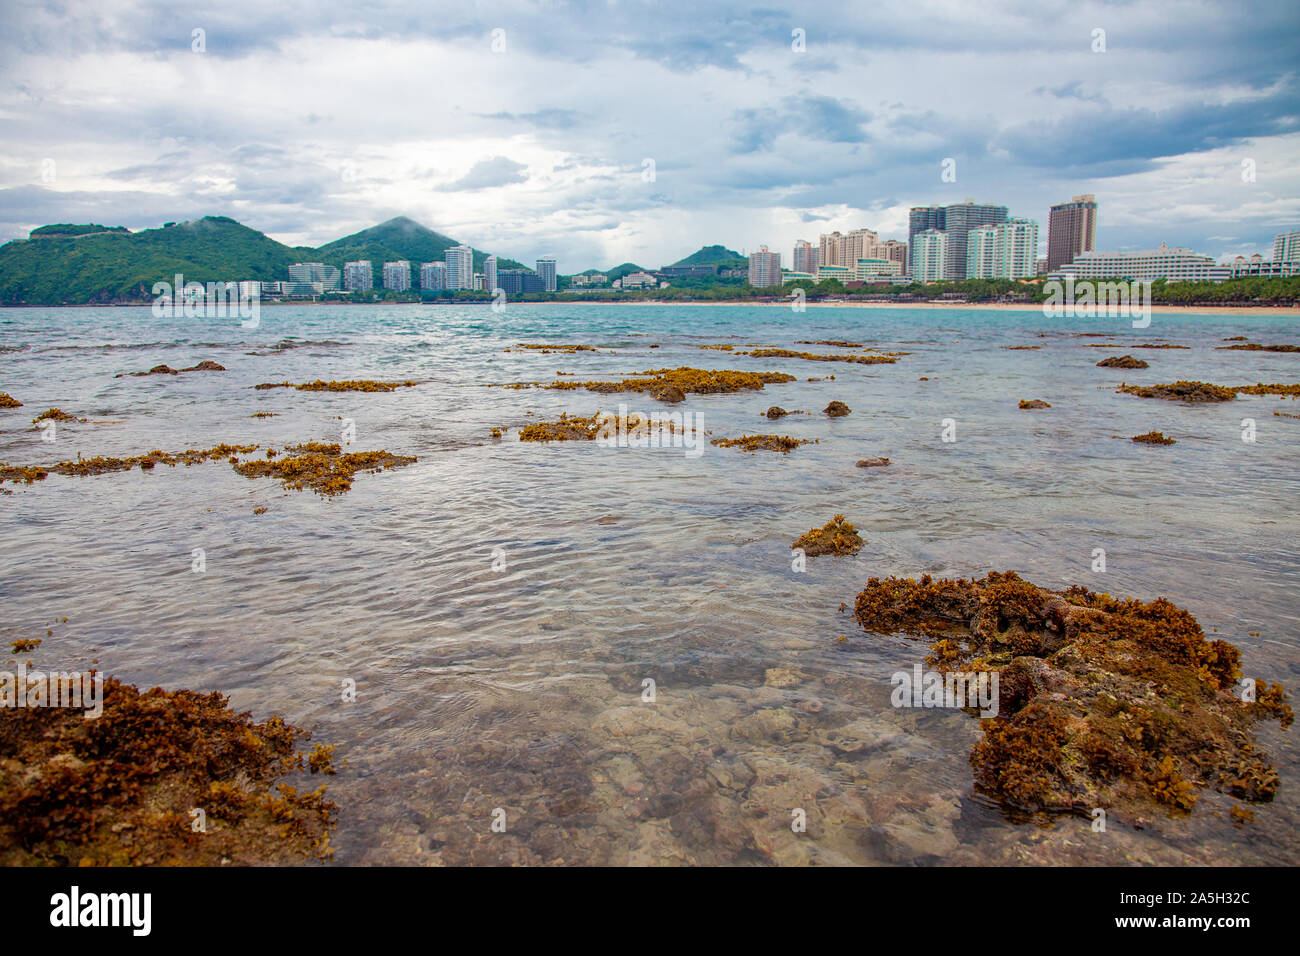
(546,272)
(460,267)
(490,274)
(930,255)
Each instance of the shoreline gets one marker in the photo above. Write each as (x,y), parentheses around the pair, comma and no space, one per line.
(1281,310)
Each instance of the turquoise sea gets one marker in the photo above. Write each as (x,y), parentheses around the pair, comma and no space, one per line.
(521,687)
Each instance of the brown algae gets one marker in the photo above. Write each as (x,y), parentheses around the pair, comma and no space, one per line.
(782,443)
(8,401)
(811,357)
(1102,702)
(1153,438)
(1035,403)
(837,409)
(837,536)
(1123,361)
(347,385)
(322,467)
(1181,391)
(122,790)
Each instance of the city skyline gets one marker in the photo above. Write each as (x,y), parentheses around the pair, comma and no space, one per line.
(779,143)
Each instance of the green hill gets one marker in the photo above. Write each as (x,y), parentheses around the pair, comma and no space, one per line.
(710,255)
(68,264)
(619,271)
(110,266)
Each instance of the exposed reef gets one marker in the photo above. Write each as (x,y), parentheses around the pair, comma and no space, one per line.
(1123,361)
(349,385)
(322,467)
(1102,702)
(781,443)
(160,778)
(673,384)
(837,536)
(206,366)
(101,465)
(811,357)
(1181,391)
(1153,438)
(1255,347)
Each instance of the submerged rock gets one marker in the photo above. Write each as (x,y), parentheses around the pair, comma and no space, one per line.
(1102,702)
(1036,403)
(776,411)
(837,409)
(873,463)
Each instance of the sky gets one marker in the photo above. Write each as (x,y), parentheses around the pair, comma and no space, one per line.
(611,131)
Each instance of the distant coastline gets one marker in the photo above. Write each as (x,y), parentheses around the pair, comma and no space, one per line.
(1222,309)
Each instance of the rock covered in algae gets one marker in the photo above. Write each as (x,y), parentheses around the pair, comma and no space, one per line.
(674,384)
(55,415)
(1102,702)
(782,443)
(873,462)
(119,789)
(347,385)
(837,536)
(837,409)
(1153,438)
(1181,391)
(1035,403)
(8,401)
(1123,361)
(811,357)
(775,412)
(567,428)
(204,366)
(1255,347)
(322,467)
(102,465)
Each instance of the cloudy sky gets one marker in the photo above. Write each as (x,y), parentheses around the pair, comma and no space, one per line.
(614,130)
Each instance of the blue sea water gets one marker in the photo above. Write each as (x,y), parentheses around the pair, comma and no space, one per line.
(482,687)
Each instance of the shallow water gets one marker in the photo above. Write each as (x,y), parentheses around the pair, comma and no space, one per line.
(521,689)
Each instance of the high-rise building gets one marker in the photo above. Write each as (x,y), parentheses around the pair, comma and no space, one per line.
(828,251)
(397,275)
(490,274)
(433,276)
(894,251)
(546,270)
(919,219)
(1071,229)
(806,257)
(460,267)
(857,244)
(959,219)
(1008,250)
(1286,247)
(315,272)
(764,268)
(930,250)
(357,276)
